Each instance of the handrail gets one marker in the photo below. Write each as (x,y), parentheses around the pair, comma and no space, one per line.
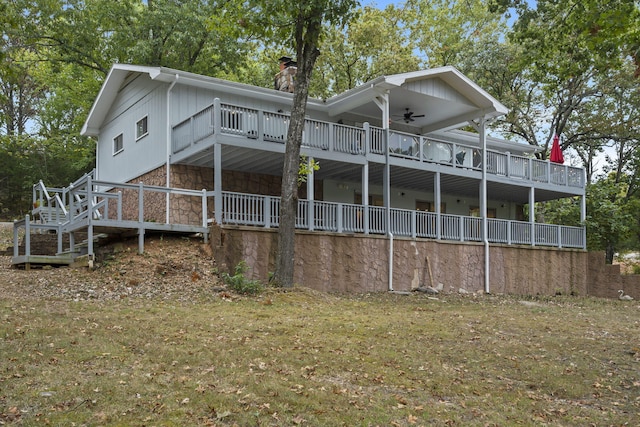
(256,210)
(267,126)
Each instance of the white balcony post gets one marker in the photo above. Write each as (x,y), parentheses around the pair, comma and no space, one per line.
(260,129)
(365,196)
(509,223)
(367,138)
(217,183)
(532,215)
(339,219)
(331,135)
(438,198)
(204,208)
(266,208)
(414,228)
(454,159)
(583,217)
(217,117)
(140,217)
(386,179)
(508,171)
(559,228)
(310,194)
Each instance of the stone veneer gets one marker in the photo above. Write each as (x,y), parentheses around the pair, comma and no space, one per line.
(357,263)
(188,209)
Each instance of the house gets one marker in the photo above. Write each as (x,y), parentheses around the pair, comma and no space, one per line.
(396,167)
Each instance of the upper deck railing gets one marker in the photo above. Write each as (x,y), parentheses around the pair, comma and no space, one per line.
(334,137)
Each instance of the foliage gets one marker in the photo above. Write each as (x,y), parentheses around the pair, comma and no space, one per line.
(609,218)
(352,55)
(239,282)
(307,167)
(446,31)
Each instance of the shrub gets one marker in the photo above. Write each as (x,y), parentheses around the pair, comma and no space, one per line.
(240,283)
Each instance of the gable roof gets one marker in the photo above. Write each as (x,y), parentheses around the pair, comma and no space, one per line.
(446,97)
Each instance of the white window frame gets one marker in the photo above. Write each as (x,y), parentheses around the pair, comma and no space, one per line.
(146,127)
(117,150)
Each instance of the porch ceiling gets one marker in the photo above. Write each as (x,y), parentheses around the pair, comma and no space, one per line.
(270,163)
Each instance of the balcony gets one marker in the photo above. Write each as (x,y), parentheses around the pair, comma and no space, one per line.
(265,127)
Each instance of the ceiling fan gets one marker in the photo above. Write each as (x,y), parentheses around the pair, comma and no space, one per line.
(409,116)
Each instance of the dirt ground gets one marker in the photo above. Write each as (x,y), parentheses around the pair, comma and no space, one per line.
(172,267)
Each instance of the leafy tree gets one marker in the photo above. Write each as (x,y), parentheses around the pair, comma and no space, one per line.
(609,220)
(355,54)
(300,25)
(446,31)
(566,52)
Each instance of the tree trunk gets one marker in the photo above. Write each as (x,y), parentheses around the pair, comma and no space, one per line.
(609,252)
(289,191)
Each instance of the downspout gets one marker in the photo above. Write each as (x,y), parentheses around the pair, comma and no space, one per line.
(485,221)
(382,101)
(168,172)
(387,180)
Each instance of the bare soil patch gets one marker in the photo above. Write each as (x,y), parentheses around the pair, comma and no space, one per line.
(172,267)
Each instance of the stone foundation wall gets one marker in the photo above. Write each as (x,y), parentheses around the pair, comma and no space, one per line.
(354,263)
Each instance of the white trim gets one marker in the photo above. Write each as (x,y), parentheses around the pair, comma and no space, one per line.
(139,137)
(113,144)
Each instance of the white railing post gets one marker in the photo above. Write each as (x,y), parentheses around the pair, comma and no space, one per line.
(89,216)
(16,248)
(508,171)
(119,206)
(204,208)
(367,138)
(559,228)
(331,137)
(508,232)
(461,227)
(140,217)
(217,116)
(414,228)
(27,236)
(454,149)
(339,219)
(266,203)
(260,129)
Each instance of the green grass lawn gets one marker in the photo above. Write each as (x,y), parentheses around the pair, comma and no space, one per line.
(306,358)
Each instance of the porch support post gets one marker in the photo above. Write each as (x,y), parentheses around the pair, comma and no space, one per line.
(483,203)
(438,201)
(386,182)
(382,101)
(532,214)
(583,218)
(310,195)
(217,183)
(169,149)
(365,197)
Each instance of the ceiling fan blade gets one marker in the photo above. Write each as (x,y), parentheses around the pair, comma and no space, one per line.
(418,115)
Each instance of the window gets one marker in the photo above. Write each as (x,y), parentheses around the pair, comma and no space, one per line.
(118,144)
(141,128)
(428,206)
(475,212)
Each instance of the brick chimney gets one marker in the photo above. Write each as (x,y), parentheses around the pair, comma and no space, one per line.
(284,81)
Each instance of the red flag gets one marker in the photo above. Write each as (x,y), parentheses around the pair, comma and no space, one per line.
(556,152)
